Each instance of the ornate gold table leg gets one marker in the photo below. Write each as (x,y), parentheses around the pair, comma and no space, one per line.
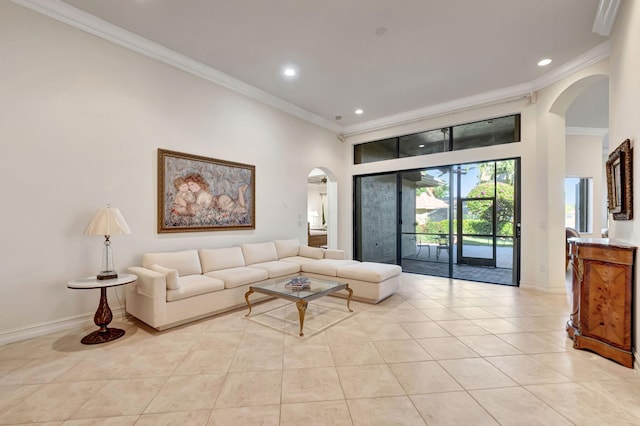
(246,297)
(349,298)
(302,307)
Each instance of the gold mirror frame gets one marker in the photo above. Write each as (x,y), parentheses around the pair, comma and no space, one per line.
(620,182)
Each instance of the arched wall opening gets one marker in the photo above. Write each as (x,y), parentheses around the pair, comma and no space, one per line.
(552,140)
(322,207)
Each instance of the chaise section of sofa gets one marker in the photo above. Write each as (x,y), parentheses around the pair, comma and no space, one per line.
(371,282)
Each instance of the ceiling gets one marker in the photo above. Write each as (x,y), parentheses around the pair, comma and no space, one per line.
(389,58)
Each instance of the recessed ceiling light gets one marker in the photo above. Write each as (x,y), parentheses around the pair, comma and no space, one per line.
(421,145)
(380,31)
(359,111)
(289,72)
(544,62)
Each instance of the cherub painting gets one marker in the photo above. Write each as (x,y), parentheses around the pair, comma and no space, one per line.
(202,194)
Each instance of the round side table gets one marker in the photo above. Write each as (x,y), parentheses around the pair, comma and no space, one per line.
(103,315)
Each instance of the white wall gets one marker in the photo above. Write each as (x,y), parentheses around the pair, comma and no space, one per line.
(81,120)
(584,160)
(623,117)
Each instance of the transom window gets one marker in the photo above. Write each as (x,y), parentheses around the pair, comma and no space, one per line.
(494,131)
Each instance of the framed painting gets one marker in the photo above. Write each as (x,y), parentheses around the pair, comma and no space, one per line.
(620,182)
(198,193)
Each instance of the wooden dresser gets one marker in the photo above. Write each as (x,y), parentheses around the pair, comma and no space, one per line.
(600,319)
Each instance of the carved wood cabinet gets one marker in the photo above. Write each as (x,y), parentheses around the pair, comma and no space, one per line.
(600,319)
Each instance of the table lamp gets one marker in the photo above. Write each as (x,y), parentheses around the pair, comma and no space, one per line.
(107,221)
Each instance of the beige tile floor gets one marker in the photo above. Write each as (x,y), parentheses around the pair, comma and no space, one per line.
(439,352)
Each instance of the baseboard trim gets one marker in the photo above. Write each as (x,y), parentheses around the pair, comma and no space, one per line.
(43,329)
(530,285)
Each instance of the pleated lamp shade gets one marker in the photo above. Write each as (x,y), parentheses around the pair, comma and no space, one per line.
(107,221)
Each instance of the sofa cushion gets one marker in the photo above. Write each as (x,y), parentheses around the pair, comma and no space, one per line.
(259,252)
(311,252)
(287,248)
(370,272)
(236,277)
(185,262)
(278,268)
(327,267)
(170,275)
(221,258)
(193,285)
(334,254)
(298,259)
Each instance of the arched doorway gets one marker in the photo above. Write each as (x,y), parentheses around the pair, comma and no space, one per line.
(586,148)
(552,142)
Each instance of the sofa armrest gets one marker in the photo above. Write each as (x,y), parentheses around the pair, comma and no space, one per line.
(150,283)
(335,254)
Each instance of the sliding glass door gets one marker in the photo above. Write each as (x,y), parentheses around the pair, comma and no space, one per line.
(425,221)
(453,221)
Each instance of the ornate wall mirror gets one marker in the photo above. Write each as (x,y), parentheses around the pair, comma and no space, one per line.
(620,182)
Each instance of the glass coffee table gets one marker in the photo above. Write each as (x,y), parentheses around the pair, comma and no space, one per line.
(317,288)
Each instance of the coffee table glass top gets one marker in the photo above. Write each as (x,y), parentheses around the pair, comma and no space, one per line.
(318,288)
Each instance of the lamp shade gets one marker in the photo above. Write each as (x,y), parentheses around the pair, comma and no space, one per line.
(107,221)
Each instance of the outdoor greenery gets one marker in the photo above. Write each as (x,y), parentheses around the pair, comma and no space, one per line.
(482,211)
(470,227)
(479,214)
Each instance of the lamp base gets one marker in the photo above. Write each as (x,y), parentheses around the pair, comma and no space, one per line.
(107,275)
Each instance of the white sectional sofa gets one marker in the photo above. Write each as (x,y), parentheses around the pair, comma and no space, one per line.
(174,288)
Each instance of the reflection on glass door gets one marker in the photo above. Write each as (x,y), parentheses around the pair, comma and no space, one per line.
(376,210)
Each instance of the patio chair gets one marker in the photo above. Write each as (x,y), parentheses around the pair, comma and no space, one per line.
(421,241)
(443,245)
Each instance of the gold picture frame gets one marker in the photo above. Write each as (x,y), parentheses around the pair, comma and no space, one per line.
(619,169)
(197,194)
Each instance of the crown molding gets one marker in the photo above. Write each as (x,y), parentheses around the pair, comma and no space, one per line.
(506,94)
(77,18)
(70,15)
(590,57)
